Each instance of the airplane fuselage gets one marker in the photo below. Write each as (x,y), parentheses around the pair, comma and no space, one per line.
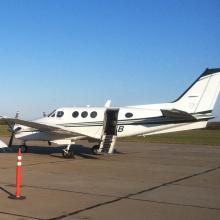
(89,121)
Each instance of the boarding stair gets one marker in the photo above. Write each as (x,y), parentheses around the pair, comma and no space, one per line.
(107,144)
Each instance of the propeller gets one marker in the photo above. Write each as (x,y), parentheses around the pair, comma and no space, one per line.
(13,130)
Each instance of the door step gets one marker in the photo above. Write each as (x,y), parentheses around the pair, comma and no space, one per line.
(107,144)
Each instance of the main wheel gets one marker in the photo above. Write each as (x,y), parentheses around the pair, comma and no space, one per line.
(95,149)
(68,154)
(24,149)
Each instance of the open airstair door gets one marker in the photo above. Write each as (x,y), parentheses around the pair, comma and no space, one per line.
(109,131)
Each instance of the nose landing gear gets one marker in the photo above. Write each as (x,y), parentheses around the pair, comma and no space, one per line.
(67,152)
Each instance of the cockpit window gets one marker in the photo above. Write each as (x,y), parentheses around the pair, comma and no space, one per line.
(60,114)
(52,114)
(84,114)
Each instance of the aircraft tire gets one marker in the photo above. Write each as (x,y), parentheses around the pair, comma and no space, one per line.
(95,149)
(68,155)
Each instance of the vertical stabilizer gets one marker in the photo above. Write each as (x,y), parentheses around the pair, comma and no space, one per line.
(201,96)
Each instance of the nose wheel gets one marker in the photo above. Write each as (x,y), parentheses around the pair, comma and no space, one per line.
(67,152)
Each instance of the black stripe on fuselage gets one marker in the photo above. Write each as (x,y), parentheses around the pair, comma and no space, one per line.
(145,121)
(97,123)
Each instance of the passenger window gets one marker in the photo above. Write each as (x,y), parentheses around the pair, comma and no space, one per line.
(93,114)
(84,114)
(60,114)
(128,115)
(75,114)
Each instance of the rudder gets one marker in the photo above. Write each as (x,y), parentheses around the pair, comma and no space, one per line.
(201,96)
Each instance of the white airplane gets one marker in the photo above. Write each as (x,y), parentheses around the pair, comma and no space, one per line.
(64,126)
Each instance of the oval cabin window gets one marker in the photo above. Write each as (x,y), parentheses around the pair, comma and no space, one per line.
(128,115)
(75,114)
(84,114)
(93,114)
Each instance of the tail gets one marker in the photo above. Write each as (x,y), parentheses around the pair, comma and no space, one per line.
(201,96)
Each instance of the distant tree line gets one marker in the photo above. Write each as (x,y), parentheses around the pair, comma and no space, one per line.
(213,125)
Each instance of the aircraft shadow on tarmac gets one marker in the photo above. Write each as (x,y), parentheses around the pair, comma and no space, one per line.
(79,151)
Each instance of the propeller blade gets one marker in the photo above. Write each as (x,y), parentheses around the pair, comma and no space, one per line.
(11,139)
(17,114)
(13,130)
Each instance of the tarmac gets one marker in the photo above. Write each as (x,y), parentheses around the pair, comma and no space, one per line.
(140,181)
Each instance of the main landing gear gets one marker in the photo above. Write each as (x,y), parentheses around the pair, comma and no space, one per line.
(95,149)
(67,152)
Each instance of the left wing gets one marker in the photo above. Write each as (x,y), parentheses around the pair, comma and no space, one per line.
(38,126)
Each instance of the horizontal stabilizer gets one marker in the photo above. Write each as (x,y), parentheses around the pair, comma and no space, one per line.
(177,114)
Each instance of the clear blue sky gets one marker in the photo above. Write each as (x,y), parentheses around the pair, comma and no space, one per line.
(79,52)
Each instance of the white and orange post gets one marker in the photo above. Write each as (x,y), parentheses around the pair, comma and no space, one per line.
(18,177)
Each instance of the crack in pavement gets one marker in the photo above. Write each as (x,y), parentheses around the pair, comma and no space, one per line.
(38,163)
(128,196)
(23,216)
(176,204)
(63,190)
(133,194)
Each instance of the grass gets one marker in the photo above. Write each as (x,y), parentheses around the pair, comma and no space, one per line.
(202,136)
(4,131)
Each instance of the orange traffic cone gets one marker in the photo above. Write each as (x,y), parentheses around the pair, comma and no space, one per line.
(18,178)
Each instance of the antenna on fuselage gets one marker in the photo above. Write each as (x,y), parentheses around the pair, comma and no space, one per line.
(108,104)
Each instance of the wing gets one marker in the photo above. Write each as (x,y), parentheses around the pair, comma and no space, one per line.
(38,126)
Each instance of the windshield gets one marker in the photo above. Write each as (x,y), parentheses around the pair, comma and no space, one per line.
(52,114)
